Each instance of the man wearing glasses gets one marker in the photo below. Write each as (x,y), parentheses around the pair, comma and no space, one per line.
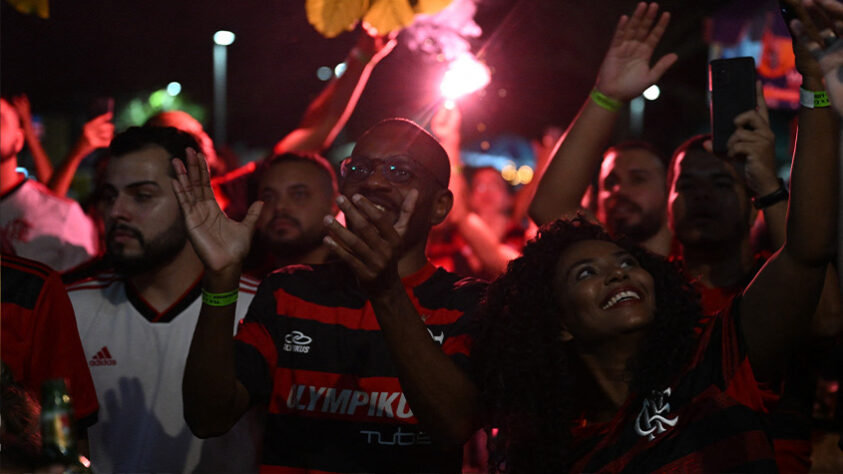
(361,363)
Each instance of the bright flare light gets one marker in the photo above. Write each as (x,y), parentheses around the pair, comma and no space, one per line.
(652,92)
(223,37)
(464,76)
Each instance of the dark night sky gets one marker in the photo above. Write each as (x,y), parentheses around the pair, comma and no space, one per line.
(544,53)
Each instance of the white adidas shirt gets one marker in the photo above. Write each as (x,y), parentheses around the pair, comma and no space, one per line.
(137,366)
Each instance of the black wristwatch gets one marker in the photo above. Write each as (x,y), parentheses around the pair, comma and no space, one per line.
(780,194)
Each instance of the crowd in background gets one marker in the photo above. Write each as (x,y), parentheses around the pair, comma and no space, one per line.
(628,308)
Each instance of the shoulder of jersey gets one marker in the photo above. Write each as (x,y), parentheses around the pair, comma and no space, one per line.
(26,265)
(249,284)
(51,195)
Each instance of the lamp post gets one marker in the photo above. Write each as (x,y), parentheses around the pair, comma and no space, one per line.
(222,39)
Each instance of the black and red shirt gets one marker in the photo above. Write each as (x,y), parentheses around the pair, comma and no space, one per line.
(712,419)
(40,340)
(311,350)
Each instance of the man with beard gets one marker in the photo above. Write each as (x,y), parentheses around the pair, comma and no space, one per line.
(135,324)
(632,194)
(360,363)
(34,222)
(297,190)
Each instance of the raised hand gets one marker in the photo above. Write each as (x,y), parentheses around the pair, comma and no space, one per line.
(373,47)
(98,132)
(626,72)
(754,141)
(24,110)
(220,242)
(373,248)
(821,36)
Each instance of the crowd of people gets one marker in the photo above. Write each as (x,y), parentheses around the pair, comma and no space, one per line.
(625,311)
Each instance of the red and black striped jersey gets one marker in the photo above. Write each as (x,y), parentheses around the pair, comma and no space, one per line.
(311,350)
(710,420)
(40,340)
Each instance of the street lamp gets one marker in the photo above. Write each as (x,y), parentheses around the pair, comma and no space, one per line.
(222,39)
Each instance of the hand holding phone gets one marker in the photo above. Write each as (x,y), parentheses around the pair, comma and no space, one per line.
(732,85)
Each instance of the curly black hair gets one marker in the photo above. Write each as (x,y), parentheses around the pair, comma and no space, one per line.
(530,382)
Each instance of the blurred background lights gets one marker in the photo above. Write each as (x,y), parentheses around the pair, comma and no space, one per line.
(464,76)
(652,92)
(340,68)
(509,172)
(324,73)
(174,88)
(524,175)
(223,37)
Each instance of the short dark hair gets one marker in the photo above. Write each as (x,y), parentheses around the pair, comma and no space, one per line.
(314,159)
(640,145)
(694,143)
(138,138)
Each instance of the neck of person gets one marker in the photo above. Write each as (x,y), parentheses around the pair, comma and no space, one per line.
(719,265)
(413,259)
(313,256)
(161,287)
(660,242)
(606,366)
(9,177)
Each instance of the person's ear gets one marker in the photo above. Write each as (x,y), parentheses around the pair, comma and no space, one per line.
(566,335)
(442,204)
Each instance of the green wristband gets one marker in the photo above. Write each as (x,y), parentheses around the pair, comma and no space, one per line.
(220,299)
(605,101)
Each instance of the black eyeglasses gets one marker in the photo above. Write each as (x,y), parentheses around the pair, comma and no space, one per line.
(395,170)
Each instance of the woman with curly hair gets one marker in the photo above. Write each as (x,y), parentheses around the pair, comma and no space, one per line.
(592,355)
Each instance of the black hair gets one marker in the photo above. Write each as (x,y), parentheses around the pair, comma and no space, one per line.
(138,138)
(316,160)
(530,380)
(640,145)
(694,143)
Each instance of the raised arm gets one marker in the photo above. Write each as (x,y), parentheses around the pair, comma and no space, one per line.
(754,144)
(624,75)
(213,398)
(97,133)
(776,308)
(43,166)
(329,112)
(442,397)
(493,254)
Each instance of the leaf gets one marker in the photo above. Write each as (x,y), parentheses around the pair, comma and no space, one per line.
(386,16)
(429,7)
(28,7)
(332,17)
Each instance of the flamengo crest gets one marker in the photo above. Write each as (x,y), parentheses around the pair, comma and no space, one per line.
(653,415)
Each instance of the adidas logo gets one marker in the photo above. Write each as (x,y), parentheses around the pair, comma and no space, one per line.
(103,357)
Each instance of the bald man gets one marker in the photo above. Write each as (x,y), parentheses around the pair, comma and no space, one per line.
(361,363)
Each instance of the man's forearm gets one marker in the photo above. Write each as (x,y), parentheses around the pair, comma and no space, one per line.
(814,182)
(575,160)
(212,397)
(443,398)
(329,112)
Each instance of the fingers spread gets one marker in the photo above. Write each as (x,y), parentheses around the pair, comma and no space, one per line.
(378,218)
(352,244)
